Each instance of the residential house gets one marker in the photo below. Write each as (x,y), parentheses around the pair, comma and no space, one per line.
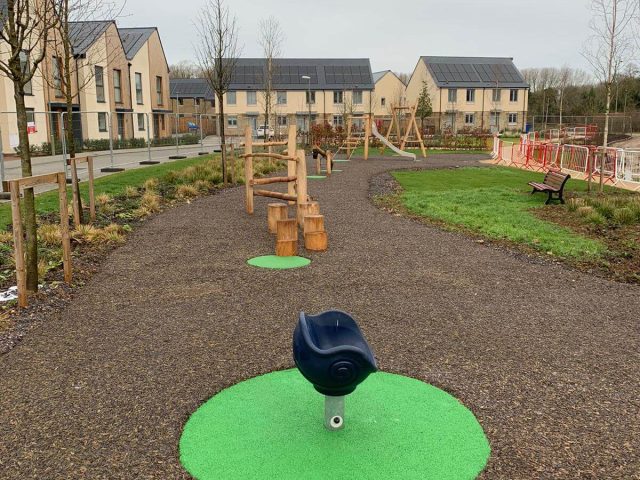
(472,93)
(389,90)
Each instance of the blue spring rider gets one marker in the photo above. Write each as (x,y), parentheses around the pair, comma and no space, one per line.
(331,352)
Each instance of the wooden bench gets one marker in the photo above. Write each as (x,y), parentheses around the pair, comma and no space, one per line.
(554,182)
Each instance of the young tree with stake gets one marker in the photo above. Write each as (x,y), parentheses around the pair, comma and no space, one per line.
(609,46)
(24,29)
(217,52)
(271,38)
(424,109)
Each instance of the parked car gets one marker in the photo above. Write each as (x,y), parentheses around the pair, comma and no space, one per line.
(260,132)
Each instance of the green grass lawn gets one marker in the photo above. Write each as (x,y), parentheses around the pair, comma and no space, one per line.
(111,184)
(496,203)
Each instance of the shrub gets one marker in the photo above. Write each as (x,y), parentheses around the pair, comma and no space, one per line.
(624,216)
(574,203)
(151,184)
(6,237)
(596,218)
(131,192)
(604,206)
(104,205)
(150,203)
(203,186)
(186,191)
(50,235)
(585,211)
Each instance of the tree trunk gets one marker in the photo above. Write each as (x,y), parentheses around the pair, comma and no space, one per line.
(605,140)
(71,141)
(29,215)
(223,142)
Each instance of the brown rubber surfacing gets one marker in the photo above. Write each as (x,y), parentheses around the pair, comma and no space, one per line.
(545,357)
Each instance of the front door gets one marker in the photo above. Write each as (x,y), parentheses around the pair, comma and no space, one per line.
(120,117)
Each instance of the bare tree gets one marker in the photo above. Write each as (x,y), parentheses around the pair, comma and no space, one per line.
(218,51)
(184,69)
(404,77)
(609,46)
(271,39)
(24,28)
(76,25)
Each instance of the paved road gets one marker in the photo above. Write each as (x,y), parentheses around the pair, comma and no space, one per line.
(633,142)
(126,159)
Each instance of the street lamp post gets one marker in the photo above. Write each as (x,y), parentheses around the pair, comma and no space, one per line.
(308,79)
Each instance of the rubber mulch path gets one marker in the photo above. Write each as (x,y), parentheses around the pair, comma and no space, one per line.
(547,358)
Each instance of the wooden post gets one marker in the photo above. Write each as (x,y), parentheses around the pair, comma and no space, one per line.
(367,134)
(349,137)
(301,174)
(233,162)
(329,160)
(318,164)
(275,212)
(92,194)
(248,170)
(18,247)
(291,166)
(315,236)
(75,189)
(286,238)
(64,227)
(306,208)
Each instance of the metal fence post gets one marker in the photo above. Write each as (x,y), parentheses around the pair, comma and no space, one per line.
(177,156)
(111,168)
(148,161)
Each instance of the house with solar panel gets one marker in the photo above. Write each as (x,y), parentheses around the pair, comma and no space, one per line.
(472,94)
(321,89)
(389,90)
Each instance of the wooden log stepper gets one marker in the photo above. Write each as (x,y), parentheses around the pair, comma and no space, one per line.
(307,208)
(315,236)
(286,238)
(275,212)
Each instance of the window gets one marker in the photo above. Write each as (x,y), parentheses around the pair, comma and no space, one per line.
(197,101)
(24,66)
(513,118)
(252,98)
(495,97)
(282,120)
(453,95)
(159,95)
(232,120)
(231,98)
(138,88)
(117,86)
(102,122)
(99,74)
(471,95)
(357,98)
(513,95)
(141,122)
(383,102)
(31,115)
(469,118)
(281,98)
(337,97)
(310,99)
(181,101)
(338,121)
(57,79)
(213,104)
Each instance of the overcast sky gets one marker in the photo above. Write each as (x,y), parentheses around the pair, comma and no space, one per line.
(392,33)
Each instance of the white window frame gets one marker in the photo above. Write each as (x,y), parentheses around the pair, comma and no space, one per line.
(281,97)
(159,90)
(496,95)
(512,119)
(452,95)
(357,97)
(471,95)
(469,116)
(232,121)
(313,97)
(279,120)
(252,98)
(141,127)
(513,95)
(383,102)
(231,98)
(338,121)
(100,97)
(339,96)
(117,85)
(139,97)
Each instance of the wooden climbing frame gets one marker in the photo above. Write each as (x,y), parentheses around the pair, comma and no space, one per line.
(296,178)
(319,152)
(402,138)
(15,187)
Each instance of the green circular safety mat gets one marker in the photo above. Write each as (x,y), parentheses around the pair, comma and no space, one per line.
(332,171)
(271,427)
(316,177)
(341,161)
(278,263)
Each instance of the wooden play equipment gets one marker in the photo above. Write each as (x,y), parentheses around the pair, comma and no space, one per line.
(296,178)
(286,238)
(275,212)
(353,141)
(402,134)
(318,154)
(15,187)
(73,163)
(315,236)
(307,208)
